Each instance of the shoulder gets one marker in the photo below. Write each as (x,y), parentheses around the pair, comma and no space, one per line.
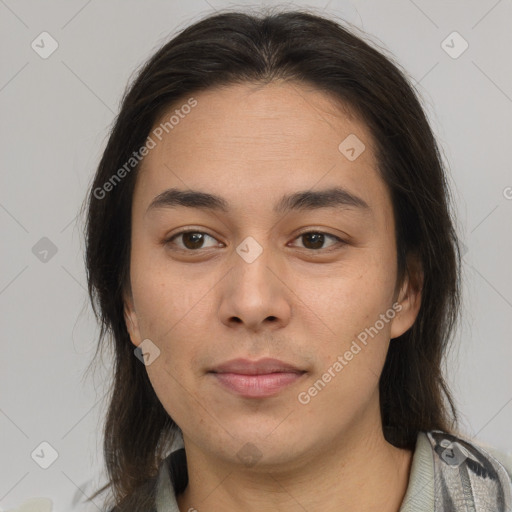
(455,450)
(504,458)
(453,472)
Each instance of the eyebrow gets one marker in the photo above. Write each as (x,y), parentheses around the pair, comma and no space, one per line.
(335,197)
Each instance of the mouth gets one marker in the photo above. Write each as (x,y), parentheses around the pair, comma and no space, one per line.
(256,379)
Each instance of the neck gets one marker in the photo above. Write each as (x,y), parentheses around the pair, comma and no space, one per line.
(361,473)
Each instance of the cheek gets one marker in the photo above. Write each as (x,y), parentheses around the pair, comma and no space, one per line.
(353,295)
(175,395)
(355,309)
(350,361)
(163,298)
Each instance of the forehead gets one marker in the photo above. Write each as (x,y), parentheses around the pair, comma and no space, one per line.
(257,142)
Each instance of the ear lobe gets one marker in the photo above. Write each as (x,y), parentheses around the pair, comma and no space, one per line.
(409,299)
(131,321)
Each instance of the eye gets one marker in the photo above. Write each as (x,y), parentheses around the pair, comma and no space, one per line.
(194,240)
(315,239)
(191,240)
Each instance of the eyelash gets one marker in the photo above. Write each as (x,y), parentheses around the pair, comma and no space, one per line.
(339,241)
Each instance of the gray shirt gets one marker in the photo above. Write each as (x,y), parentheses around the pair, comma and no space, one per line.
(447,474)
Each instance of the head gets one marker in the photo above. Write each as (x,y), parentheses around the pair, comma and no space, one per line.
(270,188)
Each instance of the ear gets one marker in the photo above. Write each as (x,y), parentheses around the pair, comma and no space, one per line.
(131,320)
(409,298)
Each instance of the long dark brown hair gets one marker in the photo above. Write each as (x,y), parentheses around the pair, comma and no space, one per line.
(258,48)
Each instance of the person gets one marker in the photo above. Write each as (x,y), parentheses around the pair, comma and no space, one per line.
(270,247)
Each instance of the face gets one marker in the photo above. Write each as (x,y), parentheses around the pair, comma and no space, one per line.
(312,283)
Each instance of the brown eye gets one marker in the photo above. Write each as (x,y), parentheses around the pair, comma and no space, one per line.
(195,240)
(315,240)
(191,240)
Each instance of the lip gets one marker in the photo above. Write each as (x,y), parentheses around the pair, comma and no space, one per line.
(259,367)
(256,379)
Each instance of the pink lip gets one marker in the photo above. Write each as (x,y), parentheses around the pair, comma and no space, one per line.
(256,379)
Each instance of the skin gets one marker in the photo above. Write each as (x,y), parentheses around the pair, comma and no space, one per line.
(302,304)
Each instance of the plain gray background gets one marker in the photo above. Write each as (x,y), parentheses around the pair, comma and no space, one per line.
(56,113)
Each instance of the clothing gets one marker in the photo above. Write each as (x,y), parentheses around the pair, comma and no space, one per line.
(448,474)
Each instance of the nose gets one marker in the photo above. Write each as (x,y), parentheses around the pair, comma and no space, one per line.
(255,294)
